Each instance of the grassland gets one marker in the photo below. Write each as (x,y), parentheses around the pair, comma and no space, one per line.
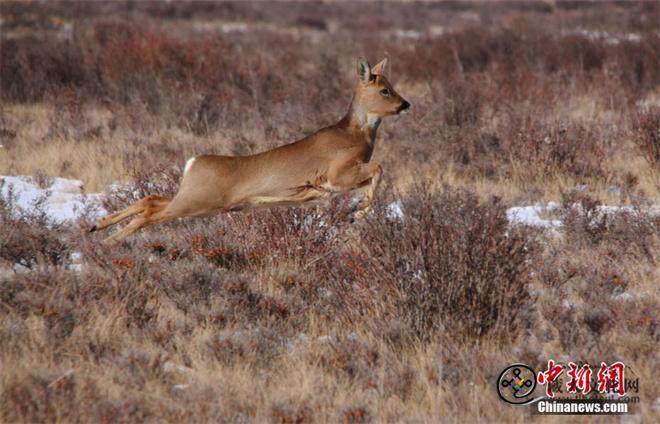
(301,315)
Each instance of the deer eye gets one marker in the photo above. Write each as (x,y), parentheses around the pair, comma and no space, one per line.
(385,92)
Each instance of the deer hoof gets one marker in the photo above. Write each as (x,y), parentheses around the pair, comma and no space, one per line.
(361,213)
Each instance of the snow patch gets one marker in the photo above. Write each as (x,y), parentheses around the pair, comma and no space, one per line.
(627,297)
(610,38)
(62,201)
(539,215)
(407,34)
(531,215)
(395,210)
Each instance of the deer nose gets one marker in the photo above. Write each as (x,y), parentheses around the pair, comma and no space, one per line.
(404,106)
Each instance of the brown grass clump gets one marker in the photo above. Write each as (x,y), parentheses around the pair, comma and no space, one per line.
(301,315)
(440,264)
(647,136)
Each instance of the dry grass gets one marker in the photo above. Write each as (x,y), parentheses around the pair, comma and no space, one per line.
(307,317)
(300,315)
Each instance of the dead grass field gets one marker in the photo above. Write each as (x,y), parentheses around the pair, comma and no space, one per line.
(299,315)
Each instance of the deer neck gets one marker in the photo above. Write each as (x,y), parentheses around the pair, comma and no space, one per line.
(361,122)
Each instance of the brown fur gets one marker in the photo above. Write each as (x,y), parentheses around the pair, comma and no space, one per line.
(333,160)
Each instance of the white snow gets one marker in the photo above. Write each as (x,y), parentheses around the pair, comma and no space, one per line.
(627,297)
(531,215)
(395,210)
(407,34)
(539,215)
(607,37)
(521,215)
(62,201)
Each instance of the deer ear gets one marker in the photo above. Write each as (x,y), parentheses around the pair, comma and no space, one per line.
(364,71)
(380,67)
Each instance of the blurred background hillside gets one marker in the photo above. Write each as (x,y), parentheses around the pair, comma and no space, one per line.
(518,99)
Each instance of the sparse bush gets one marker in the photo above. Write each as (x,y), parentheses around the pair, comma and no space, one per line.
(647,136)
(452,263)
(29,241)
(587,222)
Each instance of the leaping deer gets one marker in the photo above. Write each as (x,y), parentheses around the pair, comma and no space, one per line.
(333,160)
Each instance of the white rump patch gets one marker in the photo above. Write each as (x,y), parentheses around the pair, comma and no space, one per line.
(189,163)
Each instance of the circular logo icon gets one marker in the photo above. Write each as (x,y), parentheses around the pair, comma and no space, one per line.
(516,384)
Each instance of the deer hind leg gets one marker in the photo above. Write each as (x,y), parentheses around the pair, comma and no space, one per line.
(154,213)
(140,206)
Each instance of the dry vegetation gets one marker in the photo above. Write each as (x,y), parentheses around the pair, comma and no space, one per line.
(300,315)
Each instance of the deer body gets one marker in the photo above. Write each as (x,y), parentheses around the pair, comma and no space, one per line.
(333,160)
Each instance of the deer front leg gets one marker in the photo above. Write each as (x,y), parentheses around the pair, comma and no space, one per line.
(358,175)
(365,203)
